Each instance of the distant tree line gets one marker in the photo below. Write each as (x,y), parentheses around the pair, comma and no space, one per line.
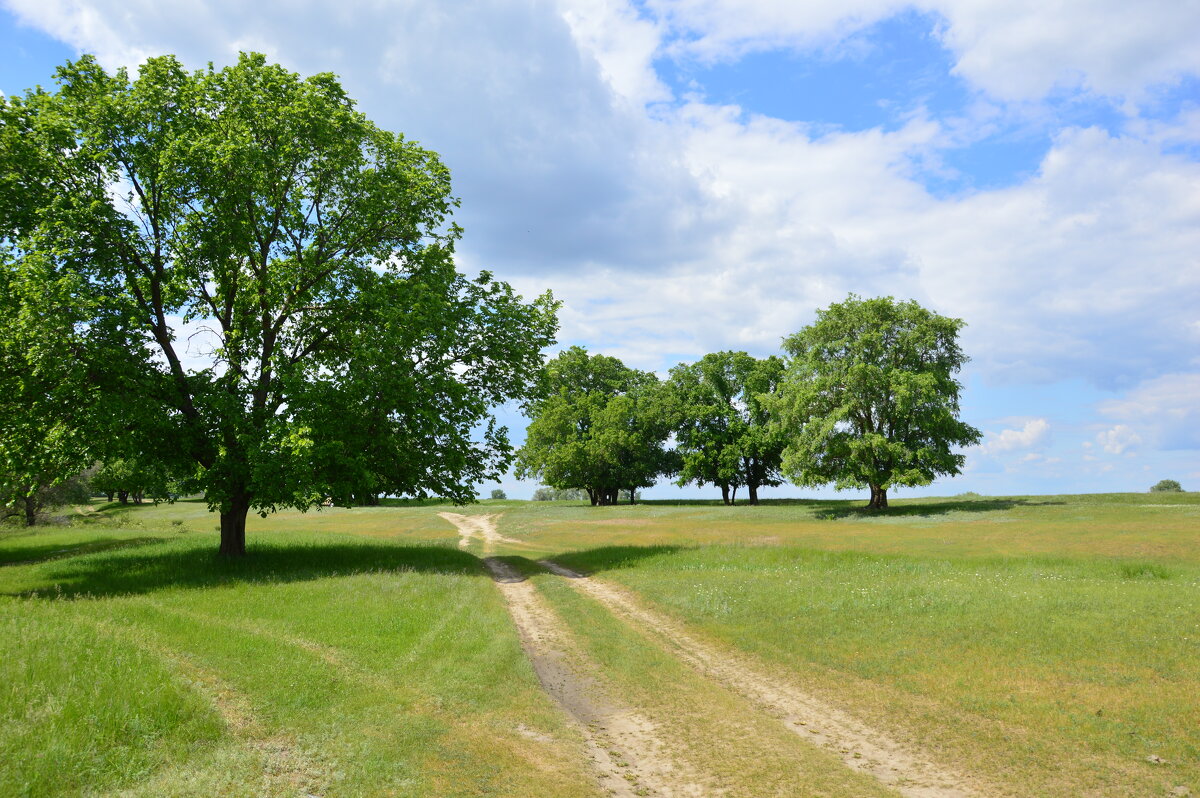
(866,397)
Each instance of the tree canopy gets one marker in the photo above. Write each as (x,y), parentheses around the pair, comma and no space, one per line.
(722,425)
(869,397)
(600,426)
(346,357)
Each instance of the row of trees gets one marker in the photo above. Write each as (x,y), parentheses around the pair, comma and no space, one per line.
(865,398)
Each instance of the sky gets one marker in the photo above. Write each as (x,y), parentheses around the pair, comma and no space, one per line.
(690,176)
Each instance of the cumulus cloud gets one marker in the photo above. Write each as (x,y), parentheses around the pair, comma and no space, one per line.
(1034,432)
(1167,408)
(1119,439)
(692,227)
(553,167)
(1017,50)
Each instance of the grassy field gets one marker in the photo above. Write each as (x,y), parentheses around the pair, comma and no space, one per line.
(324,664)
(1049,644)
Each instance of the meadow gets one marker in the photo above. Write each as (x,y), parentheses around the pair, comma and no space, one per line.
(1045,645)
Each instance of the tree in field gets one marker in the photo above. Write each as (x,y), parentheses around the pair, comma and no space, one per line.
(548,494)
(869,398)
(498,494)
(135,479)
(348,356)
(600,427)
(723,429)
(52,407)
(1166,486)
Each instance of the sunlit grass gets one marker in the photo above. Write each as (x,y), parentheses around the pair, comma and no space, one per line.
(1064,673)
(322,663)
(1050,643)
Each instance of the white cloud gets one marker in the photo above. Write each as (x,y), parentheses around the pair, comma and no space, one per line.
(1119,439)
(1166,407)
(1034,432)
(1015,50)
(694,228)
(622,42)
(547,157)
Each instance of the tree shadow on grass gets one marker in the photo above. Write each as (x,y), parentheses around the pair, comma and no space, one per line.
(582,563)
(150,568)
(610,558)
(28,555)
(924,509)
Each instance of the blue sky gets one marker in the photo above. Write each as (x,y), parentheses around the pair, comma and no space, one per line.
(696,175)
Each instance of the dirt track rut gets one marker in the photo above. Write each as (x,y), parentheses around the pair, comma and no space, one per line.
(859,746)
(629,754)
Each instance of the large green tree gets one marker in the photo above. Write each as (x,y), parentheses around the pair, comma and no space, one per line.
(348,357)
(723,428)
(870,399)
(599,426)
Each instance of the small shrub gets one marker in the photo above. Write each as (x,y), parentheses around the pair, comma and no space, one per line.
(499,494)
(1167,486)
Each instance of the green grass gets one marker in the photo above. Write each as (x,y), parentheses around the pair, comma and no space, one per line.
(1051,643)
(347,666)
(1065,672)
(747,751)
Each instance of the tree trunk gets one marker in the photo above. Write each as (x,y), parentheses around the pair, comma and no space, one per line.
(753,488)
(30,511)
(593,496)
(123,496)
(733,495)
(110,496)
(233,527)
(725,494)
(632,495)
(878,498)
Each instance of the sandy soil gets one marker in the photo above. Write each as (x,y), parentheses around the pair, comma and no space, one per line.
(862,748)
(629,756)
(482,527)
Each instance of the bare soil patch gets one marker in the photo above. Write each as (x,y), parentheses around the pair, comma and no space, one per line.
(482,527)
(629,755)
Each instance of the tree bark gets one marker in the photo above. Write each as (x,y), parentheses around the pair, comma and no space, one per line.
(632,495)
(725,494)
(753,488)
(593,497)
(233,527)
(30,511)
(878,498)
(733,495)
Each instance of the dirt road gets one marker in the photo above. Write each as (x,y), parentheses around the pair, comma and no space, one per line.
(630,755)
